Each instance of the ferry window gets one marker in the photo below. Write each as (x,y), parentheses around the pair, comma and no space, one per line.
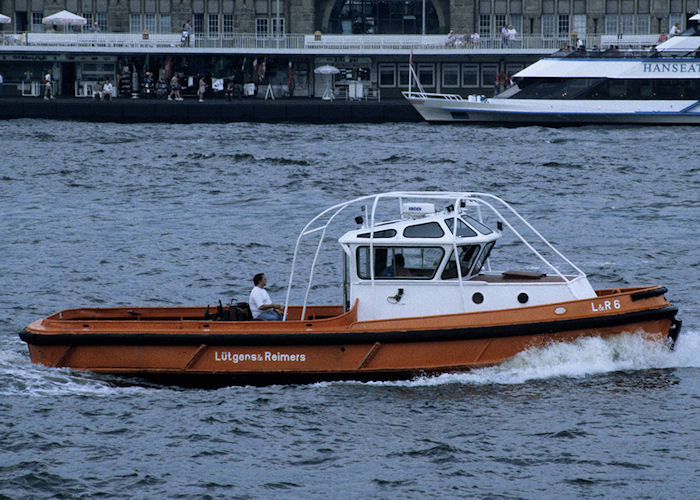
(645,89)
(562,88)
(450,75)
(482,258)
(427,230)
(387,75)
(463,230)
(467,255)
(400,262)
(470,75)
(617,89)
(426,74)
(387,233)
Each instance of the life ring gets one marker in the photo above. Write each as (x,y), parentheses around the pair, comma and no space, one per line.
(501,78)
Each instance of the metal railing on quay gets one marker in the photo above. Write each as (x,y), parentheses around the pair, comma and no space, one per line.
(439,43)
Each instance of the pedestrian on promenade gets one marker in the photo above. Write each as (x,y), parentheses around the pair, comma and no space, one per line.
(174,89)
(48,87)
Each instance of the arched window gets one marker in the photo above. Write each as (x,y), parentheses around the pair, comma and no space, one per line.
(360,17)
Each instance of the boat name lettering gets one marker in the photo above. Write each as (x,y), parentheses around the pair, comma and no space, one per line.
(606,305)
(236,357)
(671,68)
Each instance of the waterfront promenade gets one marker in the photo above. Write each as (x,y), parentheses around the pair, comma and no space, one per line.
(299,110)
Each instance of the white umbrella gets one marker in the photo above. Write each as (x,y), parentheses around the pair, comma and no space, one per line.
(4,19)
(696,17)
(327,70)
(64,18)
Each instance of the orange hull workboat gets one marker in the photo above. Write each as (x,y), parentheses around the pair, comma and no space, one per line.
(479,317)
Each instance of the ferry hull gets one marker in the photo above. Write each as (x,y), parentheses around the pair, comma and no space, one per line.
(592,113)
(210,354)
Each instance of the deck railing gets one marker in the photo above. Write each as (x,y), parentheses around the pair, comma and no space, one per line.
(316,42)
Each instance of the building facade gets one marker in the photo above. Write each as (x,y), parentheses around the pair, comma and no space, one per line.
(222,18)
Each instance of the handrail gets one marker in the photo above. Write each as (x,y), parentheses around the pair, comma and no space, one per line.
(493,43)
(477,198)
(412,94)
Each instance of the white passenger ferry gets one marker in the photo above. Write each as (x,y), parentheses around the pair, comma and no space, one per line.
(659,86)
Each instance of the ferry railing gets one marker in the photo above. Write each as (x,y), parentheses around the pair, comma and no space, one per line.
(413,94)
(321,222)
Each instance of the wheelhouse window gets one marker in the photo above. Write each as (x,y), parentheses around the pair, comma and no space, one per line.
(399,262)
(463,230)
(427,230)
(467,256)
(482,228)
(386,233)
(482,257)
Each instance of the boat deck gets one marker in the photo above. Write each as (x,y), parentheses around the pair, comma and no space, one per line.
(519,277)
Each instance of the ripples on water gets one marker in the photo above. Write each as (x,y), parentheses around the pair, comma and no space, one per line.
(158,215)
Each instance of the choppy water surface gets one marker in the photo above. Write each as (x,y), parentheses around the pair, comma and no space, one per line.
(162,215)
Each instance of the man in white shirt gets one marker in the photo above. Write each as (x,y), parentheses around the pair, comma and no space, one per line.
(107,90)
(48,90)
(674,30)
(261,305)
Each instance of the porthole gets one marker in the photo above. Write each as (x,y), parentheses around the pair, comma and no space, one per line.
(478,298)
(523,298)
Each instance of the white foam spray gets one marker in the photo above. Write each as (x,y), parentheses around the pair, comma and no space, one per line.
(580,358)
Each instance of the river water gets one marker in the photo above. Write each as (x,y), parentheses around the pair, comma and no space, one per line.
(155,214)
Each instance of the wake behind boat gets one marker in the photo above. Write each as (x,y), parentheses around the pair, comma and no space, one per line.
(420,296)
(660,86)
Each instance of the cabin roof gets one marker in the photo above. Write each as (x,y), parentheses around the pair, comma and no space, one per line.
(434,229)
